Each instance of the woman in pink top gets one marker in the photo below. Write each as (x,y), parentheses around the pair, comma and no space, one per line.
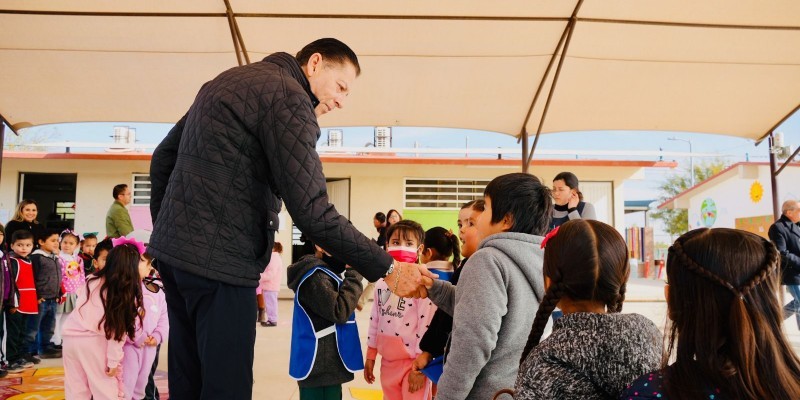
(270,285)
(105,315)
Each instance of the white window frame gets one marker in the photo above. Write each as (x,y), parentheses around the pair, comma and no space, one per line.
(140,196)
(460,198)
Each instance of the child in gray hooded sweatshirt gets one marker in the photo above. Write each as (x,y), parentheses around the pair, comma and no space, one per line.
(498,292)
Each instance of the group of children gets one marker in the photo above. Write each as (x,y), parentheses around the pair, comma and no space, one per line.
(98,304)
(724,329)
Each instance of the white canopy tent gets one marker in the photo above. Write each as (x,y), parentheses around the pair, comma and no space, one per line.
(728,67)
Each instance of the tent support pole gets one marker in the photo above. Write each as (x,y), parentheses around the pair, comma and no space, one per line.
(788,160)
(236,35)
(773,177)
(523,136)
(570,31)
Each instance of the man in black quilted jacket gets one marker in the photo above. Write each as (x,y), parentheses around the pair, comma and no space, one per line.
(218,179)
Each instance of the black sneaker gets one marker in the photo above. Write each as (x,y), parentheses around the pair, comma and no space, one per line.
(3,373)
(50,353)
(57,347)
(32,358)
(19,366)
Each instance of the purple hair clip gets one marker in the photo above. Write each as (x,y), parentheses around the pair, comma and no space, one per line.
(133,242)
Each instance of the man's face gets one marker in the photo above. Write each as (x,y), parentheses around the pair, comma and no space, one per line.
(330,82)
(794,215)
(125,197)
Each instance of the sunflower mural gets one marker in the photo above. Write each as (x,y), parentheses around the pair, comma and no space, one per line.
(756,192)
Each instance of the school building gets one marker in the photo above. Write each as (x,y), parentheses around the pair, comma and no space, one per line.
(74,189)
(737,197)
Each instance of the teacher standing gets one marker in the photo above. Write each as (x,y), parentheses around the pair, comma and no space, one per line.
(218,179)
(568,201)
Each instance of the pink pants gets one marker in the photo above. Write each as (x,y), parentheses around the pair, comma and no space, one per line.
(271,304)
(136,366)
(85,369)
(394,381)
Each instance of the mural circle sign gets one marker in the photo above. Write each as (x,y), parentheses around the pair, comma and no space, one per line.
(708,212)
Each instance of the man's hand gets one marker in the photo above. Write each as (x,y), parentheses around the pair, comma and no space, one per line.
(410,280)
(369,365)
(416,380)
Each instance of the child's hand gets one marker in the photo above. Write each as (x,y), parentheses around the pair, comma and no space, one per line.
(111,371)
(12,310)
(416,380)
(422,361)
(150,341)
(369,365)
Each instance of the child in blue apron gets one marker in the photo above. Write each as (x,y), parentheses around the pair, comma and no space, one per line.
(325,348)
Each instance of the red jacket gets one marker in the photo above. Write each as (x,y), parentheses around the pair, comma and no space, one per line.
(24,297)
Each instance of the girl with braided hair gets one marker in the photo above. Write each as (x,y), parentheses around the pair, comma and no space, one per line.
(594,351)
(725,335)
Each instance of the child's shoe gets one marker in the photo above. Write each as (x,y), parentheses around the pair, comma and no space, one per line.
(32,358)
(3,373)
(269,323)
(50,353)
(19,366)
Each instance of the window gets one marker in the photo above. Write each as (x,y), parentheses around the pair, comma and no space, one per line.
(65,210)
(141,189)
(448,194)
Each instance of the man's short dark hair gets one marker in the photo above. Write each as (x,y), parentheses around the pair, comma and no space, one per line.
(21,234)
(332,50)
(46,233)
(525,199)
(381,217)
(119,189)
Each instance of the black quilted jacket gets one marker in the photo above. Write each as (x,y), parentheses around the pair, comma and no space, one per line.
(219,176)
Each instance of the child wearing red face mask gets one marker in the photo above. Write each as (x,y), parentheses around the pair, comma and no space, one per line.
(397,324)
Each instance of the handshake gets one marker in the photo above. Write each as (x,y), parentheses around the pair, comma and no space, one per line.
(410,280)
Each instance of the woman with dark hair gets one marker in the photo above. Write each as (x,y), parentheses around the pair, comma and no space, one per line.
(24,218)
(594,350)
(725,335)
(568,200)
(393,217)
(105,316)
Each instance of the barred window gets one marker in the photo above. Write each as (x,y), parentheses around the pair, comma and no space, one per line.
(439,194)
(141,189)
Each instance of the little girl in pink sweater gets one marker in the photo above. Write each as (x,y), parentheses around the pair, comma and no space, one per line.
(397,323)
(73,277)
(105,315)
(153,329)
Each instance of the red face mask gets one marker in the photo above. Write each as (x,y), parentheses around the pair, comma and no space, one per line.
(403,253)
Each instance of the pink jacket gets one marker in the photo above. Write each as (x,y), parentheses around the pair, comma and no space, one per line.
(271,277)
(85,321)
(155,320)
(397,324)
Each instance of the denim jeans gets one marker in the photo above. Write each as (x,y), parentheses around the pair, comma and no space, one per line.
(793,307)
(41,328)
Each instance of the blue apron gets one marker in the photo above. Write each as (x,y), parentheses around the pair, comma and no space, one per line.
(305,339)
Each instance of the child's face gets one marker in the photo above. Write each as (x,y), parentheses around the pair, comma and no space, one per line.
(485,225)
(144,267)
(100,261)
(470,238)
(50,244)
(88,246)
(463,220)
(68,244)
(401,239)
(2,236)
(22,247)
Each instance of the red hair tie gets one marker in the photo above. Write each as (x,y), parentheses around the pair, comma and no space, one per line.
(549,235)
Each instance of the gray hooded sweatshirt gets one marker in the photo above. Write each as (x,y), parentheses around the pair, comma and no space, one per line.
(493,309)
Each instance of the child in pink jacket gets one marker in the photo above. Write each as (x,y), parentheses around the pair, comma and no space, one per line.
(93,336)
(141,350)
(397,324)
(269,286)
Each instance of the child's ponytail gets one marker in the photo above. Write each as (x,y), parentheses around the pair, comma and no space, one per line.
(444,242)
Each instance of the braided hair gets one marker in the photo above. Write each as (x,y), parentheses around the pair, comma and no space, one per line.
(726,318)
(585,261)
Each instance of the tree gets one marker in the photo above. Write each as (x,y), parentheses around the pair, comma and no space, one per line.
(676,221)
(29,138)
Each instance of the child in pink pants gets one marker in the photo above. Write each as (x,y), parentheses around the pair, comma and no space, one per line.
(397,324)
(92,341)
(140,351)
